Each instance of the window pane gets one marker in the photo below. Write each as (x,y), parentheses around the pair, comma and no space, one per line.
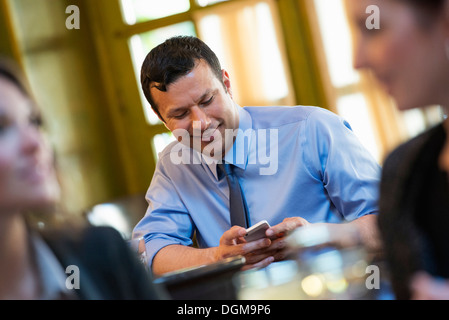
(245,37)
(354,109)
(270,56)
(135,11)
(336,41)
(414,121)
(160,141)
(419,120)
(155,37)
(142,43)
(204,3)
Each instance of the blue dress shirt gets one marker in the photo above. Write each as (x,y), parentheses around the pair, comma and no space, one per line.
(290,161)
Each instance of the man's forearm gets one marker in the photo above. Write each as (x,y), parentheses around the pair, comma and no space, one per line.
(359,231)
(368,230)
(175,257)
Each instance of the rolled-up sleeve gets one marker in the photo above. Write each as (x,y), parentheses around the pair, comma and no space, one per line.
(166,221)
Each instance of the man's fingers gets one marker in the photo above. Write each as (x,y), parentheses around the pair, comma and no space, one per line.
(256,245)
(233,235)
(286,226)
(261,264)
(276,245)
(233,244)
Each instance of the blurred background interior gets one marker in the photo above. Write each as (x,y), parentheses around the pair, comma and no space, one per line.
(107,139)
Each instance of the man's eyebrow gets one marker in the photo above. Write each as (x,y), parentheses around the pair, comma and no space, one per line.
(206,94)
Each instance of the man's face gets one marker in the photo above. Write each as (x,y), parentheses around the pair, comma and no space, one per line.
(199,104)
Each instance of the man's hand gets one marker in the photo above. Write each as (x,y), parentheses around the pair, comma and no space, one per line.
(232,243)
(277,249)
(259,253)
(282,229)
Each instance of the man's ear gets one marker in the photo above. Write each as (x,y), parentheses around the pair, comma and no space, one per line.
(226,81)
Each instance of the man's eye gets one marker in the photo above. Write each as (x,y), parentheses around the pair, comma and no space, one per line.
(180,116)
(208,102)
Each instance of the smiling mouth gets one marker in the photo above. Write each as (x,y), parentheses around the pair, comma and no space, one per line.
(208,135)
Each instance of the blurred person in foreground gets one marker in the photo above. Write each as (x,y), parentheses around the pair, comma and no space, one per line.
(42,264)
(319,173)
(409,55)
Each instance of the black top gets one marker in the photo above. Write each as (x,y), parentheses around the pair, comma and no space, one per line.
(109,270)
(414,210)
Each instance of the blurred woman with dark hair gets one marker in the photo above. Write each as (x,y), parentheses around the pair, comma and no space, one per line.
(409,55)
(33,263)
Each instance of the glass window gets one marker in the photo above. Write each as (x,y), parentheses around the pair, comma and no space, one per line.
(160,141)
(351,104)
(205,3)
(336,41)
(152,38)
(357,96)
(353,108)
(418,120)
(246,38)
(270,56)
(135,11)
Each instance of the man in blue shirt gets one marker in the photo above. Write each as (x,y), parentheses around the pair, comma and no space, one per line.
(296,165)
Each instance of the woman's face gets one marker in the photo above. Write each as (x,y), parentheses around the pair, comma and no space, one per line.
(27,175)
(406,56)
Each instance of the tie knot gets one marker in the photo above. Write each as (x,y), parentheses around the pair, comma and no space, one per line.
(226,168)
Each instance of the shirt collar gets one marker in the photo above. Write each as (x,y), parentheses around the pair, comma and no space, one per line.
(238,154)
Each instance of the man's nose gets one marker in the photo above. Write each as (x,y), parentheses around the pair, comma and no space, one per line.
(200,119)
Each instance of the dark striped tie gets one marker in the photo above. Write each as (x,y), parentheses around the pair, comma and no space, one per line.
(237,203)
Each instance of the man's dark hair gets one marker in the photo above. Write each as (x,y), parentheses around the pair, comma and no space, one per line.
(173,59)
